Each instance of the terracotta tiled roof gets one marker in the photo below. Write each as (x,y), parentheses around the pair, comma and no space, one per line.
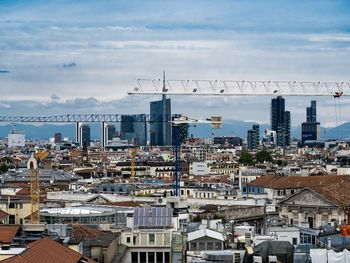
(336,192)
(80,231)
(3,214)
(285,182)
(7,233)
(23,191)
(46,250)
(96,237)
(214,178)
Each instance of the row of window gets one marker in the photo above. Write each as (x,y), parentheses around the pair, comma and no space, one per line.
(14,205)
(150,257)
(151,239)
(201,246)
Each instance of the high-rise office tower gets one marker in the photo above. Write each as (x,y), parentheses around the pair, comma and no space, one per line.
(310,130)
(110,131)
(85,135)
(134,129)
(253,137)
(160,126)
(280,121)
(107,133)
(311,112)
(58,137)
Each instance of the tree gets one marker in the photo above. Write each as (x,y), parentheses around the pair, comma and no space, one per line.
(3,168)
(246,158)
(263,156)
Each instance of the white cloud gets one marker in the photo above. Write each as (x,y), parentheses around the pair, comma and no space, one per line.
(110,51)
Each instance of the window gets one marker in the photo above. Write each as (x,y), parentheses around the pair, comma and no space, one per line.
(134,240)
(12,205)
(159,257)
(150,257)
(218,246)
(201,246)
(295,241)
(143,257)
(166,257)
(210,246)
(134,257)
(128,240)
(151,239)
(193,246)
(12,219)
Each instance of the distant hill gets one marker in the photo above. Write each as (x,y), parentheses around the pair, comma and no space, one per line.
(229,128)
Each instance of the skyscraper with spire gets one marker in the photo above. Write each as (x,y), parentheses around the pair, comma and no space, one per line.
(160,125)
(310,130)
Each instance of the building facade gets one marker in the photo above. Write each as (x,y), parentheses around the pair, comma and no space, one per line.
(310,130)
(160,126)
(253,137)
(280,121)
(134,129)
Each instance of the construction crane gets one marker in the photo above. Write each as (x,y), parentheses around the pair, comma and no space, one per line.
(33,166)
(240,88)
(133,153)
(177,123)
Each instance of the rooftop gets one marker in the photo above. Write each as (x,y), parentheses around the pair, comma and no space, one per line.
(283,182)
(47,250)
(205,232)
(8,233)
(77,211)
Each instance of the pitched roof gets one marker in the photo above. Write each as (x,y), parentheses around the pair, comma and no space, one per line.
(3,214)
(100,238)
(336,192)
(47,250)
(80,231)
(23,191)
(205,232)
(7,233)
(285,182)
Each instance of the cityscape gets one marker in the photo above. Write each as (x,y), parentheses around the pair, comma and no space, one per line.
(174,131)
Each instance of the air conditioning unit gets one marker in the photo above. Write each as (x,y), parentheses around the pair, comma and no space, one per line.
(257,259)
(273,259)
(161,201)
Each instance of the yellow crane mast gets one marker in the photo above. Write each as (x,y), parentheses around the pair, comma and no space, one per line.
(32,165)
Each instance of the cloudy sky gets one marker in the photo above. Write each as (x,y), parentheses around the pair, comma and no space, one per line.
(83,56)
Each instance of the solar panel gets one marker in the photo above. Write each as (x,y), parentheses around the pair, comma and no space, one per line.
(153,217)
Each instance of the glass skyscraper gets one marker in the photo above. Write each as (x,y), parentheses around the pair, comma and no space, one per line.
(134,129)
(253,137)
(160,124)
(310,130)
(280,121)
(85,135)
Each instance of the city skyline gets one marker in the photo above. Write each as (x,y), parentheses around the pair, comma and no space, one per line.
(78,62)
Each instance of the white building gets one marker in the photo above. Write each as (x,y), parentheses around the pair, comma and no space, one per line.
(270,137)
(16,139)
(200,168)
